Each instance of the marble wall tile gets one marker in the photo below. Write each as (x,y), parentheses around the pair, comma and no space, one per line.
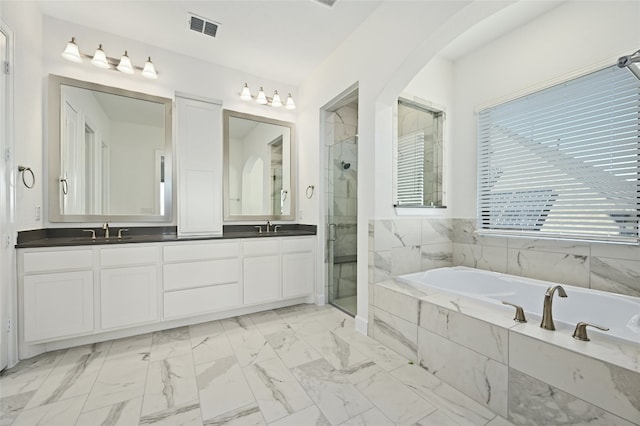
(476,375)
(487,339)
(463,410)
(396,333)
(276,390)
(171,383)
(405,260)
(209,342)
(223,388)
(397,233)
(74,375)
(556,267)
(436,231)
(464,232)
(382,266)
(397,402)
(396,303)
(436,256)
(63,412)
(336,397)
(489,258)
(120,414)
(580,248)
(612,388)
(616,251)
(310,416)
(616,275)
(532,402)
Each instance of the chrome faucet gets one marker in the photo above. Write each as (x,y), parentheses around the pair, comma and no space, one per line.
(105,226)
(268,226)
(547,315)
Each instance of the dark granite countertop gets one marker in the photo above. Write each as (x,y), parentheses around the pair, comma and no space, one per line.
(62,237)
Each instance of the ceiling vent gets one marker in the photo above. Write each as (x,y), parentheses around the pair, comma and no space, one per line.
(203,25)
(329,3)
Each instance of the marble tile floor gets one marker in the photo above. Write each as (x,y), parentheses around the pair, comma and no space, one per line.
(300,365)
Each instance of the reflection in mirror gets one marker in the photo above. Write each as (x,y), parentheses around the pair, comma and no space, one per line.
(420,158)
(259,178)
(110,153)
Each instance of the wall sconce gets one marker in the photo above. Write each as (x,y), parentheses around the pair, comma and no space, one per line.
(262,98)
(101,60)
(631,62)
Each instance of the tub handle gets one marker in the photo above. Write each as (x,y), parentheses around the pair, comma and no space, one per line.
(519,312)
(580,333)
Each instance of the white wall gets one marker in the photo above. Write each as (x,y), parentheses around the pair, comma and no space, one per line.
(569,39)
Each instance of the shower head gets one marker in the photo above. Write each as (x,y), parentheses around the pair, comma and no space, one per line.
(346,166)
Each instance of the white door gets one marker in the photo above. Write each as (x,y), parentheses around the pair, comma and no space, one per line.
(6,250)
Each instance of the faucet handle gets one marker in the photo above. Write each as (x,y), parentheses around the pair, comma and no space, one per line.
(120,231)
(580,333)
(93,233)
(519,312)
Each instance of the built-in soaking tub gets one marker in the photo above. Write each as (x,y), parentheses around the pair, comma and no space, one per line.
(621,314)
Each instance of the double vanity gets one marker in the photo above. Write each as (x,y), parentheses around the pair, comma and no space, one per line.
(74,290)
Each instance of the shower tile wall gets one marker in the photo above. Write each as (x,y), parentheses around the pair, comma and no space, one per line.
(343,187)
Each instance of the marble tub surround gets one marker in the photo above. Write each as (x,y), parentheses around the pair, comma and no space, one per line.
(478,349)
(316,371)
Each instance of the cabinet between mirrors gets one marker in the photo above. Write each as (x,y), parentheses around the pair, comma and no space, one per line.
(70,296)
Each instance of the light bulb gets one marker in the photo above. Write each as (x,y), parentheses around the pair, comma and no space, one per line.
(71,52)
(276,102)
(125,64)
(262,98)
(100,59)
(245,95)
(290,104)
(149,71)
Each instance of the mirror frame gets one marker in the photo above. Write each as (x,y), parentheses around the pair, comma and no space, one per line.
(55,114)
(227,114)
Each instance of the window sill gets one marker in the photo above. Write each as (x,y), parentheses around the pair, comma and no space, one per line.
(420,210)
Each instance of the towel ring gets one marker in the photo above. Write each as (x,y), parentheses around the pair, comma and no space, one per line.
(312,188)
(22,170)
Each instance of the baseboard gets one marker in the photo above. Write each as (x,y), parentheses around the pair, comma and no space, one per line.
(362,324)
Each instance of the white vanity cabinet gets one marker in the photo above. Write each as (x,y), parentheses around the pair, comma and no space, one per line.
(261,270)
(201,277)
(128,285)
(298,266)
(57,294)
(199,160)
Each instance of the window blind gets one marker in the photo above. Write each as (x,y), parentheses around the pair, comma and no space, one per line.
(564,161)
(410,185)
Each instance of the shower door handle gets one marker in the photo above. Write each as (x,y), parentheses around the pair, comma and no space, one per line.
(332,232)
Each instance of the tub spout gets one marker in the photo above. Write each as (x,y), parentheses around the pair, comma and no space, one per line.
(547,314)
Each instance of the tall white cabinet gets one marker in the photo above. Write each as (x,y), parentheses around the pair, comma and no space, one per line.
(199,158)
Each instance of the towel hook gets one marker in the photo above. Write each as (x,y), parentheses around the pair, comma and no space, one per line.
(312,188)
(22,170)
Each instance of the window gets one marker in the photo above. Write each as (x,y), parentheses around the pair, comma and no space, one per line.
(419,164)
(564,161)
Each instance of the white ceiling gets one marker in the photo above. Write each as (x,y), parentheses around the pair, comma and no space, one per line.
(282,40)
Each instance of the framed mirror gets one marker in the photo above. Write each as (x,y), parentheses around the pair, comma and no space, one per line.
(110,154)
(259,171)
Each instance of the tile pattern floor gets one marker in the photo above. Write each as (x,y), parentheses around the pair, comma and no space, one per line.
(300,365)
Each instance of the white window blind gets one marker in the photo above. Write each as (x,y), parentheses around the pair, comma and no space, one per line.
(564,161)
(411,169)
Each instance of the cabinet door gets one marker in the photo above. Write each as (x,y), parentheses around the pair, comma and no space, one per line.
(199,155)
(298,274)
(128,296)
(58,305)
(261,279)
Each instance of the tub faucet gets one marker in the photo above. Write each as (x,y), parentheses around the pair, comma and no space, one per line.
(547,315)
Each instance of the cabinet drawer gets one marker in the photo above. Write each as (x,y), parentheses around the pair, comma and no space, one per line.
(199,274)
(201,300)
(265,247)
(124,256)
(297,245)
(186,252)
(57,260)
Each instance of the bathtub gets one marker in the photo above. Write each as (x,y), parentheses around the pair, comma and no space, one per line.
(621,314)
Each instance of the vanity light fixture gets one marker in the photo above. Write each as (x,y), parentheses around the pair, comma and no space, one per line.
(262,99)
(71,52)
(631,62)
(101,60)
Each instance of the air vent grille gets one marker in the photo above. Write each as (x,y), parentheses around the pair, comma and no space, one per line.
(203,25)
